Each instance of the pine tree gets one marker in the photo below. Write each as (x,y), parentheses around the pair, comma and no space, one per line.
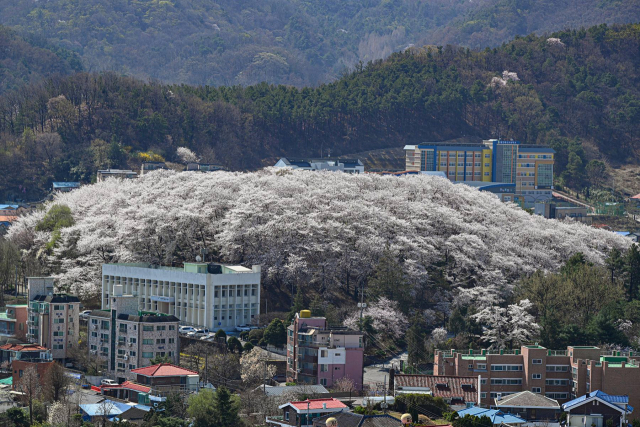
(632,268)
(615,263)
(226,409)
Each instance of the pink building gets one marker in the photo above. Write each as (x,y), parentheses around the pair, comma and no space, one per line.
(319,354)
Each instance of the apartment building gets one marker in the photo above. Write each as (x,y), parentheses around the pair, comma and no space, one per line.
(147,167)
(558,374)
(334,165)
(319,354)
(52,319)
(115,173)
(13,322)
(529,167)
(125,338)
(214,296)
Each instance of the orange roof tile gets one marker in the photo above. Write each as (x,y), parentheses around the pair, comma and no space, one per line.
(22,347)
(163,370)
(7,218)
(136,387)
(318,404)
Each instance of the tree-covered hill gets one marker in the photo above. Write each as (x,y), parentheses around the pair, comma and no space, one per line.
(576,89)
(29,61)
(296,42)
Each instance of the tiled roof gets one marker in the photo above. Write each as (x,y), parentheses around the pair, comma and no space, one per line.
(7,218)
(22,347)
(349,419)
(135,387)
(496,415)
(163,370)
(330,403)
(306,389)
(447,387)
(527,399)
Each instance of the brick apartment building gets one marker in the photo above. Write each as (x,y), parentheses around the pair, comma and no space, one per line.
(126,338)
(20,357)
(558,374)
(318,354)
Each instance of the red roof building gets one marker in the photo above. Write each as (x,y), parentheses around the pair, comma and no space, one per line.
(302,413)
(163,370)
(453,389)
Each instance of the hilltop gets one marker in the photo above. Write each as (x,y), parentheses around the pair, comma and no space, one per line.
(321,232)
(293,42)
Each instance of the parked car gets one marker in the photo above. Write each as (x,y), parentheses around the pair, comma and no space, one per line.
(108,382)
(85,314)
(186,329)
(197,333)
(242,328)
(208,337)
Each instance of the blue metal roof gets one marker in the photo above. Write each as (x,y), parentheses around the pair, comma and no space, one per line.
(9,207)
(97,409)
(63,184)
(496,415)
(622,233)
(614,399)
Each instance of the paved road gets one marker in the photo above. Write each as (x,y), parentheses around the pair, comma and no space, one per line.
(375,374)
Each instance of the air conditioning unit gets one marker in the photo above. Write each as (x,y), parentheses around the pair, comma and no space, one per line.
(94,326)
(93,351)
(130,344)
(126,357)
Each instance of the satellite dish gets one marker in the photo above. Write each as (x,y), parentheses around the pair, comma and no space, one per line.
(198,258)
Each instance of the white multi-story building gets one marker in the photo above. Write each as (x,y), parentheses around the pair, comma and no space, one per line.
(209,295)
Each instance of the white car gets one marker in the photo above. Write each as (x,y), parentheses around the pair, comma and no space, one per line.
(197,333)
(186,329)
(108,382)
(208,337)
(243,328)
(85,314)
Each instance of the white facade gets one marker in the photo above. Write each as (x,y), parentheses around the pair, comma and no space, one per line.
(334,165)
(221,300)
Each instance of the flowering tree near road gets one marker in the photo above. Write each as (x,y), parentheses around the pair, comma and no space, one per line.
(508,327)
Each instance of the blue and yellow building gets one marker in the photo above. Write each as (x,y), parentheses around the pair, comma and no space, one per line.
(529,167)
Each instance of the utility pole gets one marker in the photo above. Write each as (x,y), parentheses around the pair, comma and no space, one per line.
(16,284)
(384,404)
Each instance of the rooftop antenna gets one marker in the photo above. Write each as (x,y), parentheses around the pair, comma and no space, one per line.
(204,253)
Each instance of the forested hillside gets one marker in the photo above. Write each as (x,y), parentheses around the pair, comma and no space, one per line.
(29,61)
(296,42)
(577,87)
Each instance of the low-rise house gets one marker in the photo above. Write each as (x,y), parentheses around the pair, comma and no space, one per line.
(115,173)
(21,357)
(453,389)
(126,338)
(596,408)
(152,166)
(204,167)
(497,416)
(530,406)
(64,187)
(13,322)
(11,210)
(302,413)
(109,409)
(349,419)
(334,165)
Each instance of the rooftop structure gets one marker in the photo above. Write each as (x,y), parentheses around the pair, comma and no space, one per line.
(349,419)
(204,167)
(215,296)
(497,416)
(597,408)
(64,187)
(116,173)
(310,389)
(147,167)
(334,165)
(453,389)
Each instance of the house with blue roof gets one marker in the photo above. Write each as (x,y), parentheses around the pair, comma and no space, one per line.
(594,409)
(110,409)
(497,416)
(64,187)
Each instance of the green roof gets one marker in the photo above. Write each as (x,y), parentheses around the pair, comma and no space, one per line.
(534,346)
(7,381)
(615,359)
(619,365)
(474,357)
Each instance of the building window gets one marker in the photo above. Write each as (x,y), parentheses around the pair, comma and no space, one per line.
(104,337)
(557,368)
(286,416)
(470,366)
(147,342)
(557,396)
(323,381)
(506,367)
(61,320)
(506,381)
(133,340)
(486,174)
(132,353)
(536,376)
(483,381)
(147,328)
(172,340)
(537,361)
(161,341)
(483,395)
(172,327)
(323,353)
(556,382)
(324,368)
(161,328)
(147,354)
